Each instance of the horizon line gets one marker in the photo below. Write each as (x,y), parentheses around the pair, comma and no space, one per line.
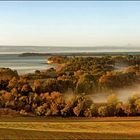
(69,46)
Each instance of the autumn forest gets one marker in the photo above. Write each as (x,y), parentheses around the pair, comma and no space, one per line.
(66,90)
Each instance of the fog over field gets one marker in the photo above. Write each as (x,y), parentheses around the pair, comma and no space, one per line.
(122,94)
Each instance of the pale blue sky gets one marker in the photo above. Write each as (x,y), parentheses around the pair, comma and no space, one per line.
(70,23)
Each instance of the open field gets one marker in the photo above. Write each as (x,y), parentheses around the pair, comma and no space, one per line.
(70,128)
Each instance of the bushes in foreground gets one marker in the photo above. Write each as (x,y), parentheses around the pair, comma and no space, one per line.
(55,104)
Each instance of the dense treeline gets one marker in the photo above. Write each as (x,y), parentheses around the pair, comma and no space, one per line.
(56,104)
(47,93)
(84,75)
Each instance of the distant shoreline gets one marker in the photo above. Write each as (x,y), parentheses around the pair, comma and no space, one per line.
(79,54)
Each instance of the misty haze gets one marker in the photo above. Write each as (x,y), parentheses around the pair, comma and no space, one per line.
(70,70)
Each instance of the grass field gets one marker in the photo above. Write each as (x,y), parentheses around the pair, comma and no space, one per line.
(70,128)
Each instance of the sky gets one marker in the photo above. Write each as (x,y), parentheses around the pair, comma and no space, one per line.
(70,23)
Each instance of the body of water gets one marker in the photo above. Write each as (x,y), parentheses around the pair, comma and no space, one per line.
(24,64)
(9,55)
(49,49)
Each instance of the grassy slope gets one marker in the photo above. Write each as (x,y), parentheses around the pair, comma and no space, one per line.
(70,128)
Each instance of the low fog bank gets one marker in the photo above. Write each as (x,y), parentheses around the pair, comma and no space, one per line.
(120,66)
(122,94)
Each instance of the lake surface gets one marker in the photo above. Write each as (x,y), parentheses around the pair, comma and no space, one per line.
(9,55)
(24,64)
